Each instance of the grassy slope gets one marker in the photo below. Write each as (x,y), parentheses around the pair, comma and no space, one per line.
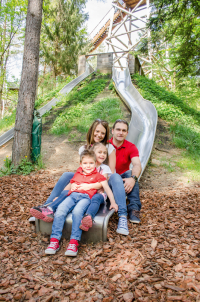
(79,109)
(184,120)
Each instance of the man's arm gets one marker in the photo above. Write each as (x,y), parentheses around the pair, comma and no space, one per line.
(136,170)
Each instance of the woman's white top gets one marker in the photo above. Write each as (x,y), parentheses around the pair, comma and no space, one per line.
(108,146)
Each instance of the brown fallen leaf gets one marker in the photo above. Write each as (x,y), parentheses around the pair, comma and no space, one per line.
(128,297)
(154,243)
(116,277)
(176,288)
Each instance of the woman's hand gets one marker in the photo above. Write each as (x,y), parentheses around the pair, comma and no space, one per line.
(114,206)
(84,187)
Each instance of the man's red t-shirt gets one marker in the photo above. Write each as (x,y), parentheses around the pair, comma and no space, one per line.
(80,178)
(124,154)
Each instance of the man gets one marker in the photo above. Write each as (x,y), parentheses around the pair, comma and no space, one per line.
(124,182)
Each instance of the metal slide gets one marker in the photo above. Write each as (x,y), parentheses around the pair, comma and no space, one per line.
(142,128)
(10,133)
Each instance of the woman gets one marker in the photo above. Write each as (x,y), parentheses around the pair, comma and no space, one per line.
(98,132)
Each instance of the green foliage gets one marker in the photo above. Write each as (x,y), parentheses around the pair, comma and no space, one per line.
(25,167)
(80,116)
(44,99)
(7,122)
(178,23)
(63,35)
(81,110)
(184,121)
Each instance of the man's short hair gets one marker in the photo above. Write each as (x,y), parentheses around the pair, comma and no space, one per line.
(121,121)
(87,153)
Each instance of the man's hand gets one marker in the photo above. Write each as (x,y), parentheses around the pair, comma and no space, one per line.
(128,184)
(114,206)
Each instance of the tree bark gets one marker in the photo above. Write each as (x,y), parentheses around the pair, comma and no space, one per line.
(28,85)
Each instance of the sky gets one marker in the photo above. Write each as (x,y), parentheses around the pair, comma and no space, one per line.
(97,10)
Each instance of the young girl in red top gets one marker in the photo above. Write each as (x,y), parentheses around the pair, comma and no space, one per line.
(79,198)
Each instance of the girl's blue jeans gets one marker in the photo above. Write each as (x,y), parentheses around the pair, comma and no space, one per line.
(78,204)
(96,201)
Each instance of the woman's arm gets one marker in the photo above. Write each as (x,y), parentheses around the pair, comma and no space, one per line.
(86,187)
(108,191)
(112,161)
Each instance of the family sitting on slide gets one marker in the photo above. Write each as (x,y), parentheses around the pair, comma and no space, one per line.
(83,192)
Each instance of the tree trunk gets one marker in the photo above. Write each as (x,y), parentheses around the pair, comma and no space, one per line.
(27,90)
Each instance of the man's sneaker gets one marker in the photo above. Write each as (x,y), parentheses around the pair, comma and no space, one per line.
(72,249)
(122,227)
(42,213)
(53,247)
(134,216)
(86,223)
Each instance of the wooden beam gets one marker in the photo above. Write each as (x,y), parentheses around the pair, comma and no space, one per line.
(128,13)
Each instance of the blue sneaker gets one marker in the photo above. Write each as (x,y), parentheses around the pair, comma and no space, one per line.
(122,227)
(134,216)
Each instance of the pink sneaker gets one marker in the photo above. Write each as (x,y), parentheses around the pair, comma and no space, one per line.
(86,223)
(42,213)
(53,247)
(72,249)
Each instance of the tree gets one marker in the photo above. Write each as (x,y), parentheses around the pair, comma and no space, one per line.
(27,91)
(178,23)
(63,35)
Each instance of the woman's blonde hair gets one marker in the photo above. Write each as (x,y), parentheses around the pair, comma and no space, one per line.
(90,134)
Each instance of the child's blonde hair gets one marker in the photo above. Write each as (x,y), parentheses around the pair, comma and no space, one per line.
(97,145)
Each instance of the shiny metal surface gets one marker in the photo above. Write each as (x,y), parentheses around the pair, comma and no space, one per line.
(10,133)
(98,232)
(142,128)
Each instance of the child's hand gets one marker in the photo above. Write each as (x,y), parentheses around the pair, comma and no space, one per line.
(114,206)
(74,186)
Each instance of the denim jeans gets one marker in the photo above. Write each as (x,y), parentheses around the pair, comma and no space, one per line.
(78,204)
(117,186)
(59,187)
(96,201)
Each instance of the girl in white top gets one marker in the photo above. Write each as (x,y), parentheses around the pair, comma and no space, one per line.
(101,153)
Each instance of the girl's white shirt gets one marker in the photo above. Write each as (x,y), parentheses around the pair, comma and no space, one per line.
(108,146)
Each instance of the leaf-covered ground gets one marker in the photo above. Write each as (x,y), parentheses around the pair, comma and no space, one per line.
(158,261)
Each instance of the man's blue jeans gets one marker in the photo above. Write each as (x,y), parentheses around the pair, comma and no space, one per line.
(78,204)
(96,201)
(117,186)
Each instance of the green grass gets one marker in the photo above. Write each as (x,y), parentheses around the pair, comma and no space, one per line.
(8,121)
(81,110)
(81,116)
(184,120)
